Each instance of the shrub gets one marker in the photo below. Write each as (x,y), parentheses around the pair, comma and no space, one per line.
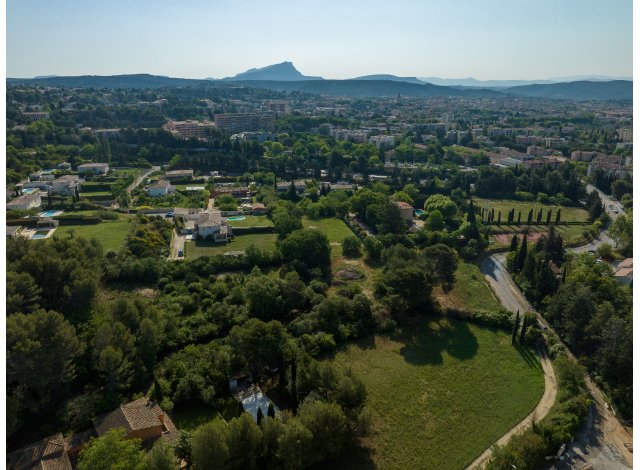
(351,246)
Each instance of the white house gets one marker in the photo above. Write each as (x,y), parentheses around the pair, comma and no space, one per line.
(97,168)
(211,224)
(66,185)
(160,188)
(25,202)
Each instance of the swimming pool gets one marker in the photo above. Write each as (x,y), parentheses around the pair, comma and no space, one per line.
(40,234)
(418,212)
(237,217)
(50,213)
(29,190)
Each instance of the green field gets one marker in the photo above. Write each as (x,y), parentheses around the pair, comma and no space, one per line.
(111,233)
(252,221)
(571,234)
(567,214)
(197,248)
(469,291)
(335,230)
(440,394)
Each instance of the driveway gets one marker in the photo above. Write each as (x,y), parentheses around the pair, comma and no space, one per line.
(177,245)
(141,178)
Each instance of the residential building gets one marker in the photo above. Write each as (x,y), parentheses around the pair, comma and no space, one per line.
(554,141)
(406,210)
(189,129)
(611,165)
(179,175)
(536,151)
(584,156)
(540,163)
(241,122)
(382,141)
(257,136)
(106,133)
(49,453)
(160,188)
(279,106)
(66,185)
(141,419)
(528,139)
(299,185)
(36,116)
(624,145)
(14,231)
(235,191)
(96,168)
(623,272)
(211,225)
(41,176)
(625,135)
(253,399)
(25,202)
(258,208)
(63,166)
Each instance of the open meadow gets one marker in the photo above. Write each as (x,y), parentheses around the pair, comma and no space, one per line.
(440,393)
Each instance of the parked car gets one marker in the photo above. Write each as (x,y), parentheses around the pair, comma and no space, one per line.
(180,253)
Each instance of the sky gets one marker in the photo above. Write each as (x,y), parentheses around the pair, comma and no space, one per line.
(485,39)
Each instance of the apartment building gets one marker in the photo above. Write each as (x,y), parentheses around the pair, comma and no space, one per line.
(241,122)
(279,106)
(188,129)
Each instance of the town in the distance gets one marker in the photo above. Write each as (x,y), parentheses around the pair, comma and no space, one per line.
(279,271)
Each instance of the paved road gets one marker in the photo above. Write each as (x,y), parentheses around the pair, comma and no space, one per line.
(141,178)
(612,207)
(601,440)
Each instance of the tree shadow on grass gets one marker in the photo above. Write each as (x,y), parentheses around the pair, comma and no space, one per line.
(354,457)
(426,344)
(529,357)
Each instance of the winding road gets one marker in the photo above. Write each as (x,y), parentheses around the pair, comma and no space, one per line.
(601,441)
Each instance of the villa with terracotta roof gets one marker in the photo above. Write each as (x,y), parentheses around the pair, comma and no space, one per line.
(406,210)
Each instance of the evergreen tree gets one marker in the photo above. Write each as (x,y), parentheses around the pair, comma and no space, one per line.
(549,217)
(519,214)
(525,324)
(271,411)
(294,386)
(539,217)
(259,416)
(240,409)
(558,217)
(471,215)
(530,217)
(522,255)
(514,243)
(516,324)
(499,216)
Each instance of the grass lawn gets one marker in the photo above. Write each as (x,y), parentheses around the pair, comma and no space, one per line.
(196,248)
(567,214)
(440,393)
(252,221)
(190,417)
(111,233)
(335,230)
(96,193)
(469,291)
(571,234)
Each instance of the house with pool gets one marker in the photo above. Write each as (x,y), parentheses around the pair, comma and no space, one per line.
(207,224)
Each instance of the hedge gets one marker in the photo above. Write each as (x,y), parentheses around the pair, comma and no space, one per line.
(78,220)
(249,230)
(501,319)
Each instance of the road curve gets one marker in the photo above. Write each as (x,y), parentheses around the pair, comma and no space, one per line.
(611,436)
(540,411)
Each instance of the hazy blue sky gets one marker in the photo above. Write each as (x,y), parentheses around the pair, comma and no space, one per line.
(486,39)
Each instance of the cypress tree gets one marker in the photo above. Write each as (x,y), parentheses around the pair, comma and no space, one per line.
(516,323)
(530,217)
(549,217)
(499,216)
(519,214)
(522,255)
(558,217)
(539,217)
(240,409)
(525,324)
(259,416)
(514,242)
(294,387)
(271,411)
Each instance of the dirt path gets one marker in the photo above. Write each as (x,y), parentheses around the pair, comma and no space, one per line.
(540,411)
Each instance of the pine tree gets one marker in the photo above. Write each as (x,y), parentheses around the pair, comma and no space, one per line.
(259,416)
(516,324)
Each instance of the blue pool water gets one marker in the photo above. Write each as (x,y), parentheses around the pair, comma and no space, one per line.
(37,236)
(418,212)
(237,217)
(48,213)
(29,190)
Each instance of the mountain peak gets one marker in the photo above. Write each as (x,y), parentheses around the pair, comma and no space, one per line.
(284,71)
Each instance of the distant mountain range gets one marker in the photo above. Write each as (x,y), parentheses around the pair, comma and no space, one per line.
(283,72)
(285,77)
(473,82)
